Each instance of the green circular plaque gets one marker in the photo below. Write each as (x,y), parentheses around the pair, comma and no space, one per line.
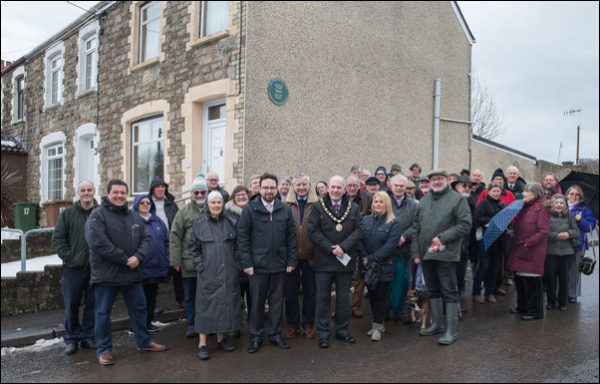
(278,91)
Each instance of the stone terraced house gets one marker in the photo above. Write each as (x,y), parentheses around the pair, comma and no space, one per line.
(137,89)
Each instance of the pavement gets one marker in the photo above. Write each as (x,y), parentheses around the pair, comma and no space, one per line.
(22,330)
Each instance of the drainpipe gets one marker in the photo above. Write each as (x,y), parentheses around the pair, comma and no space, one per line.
(436,122)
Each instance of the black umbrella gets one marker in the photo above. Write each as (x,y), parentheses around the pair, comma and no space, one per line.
(588,182)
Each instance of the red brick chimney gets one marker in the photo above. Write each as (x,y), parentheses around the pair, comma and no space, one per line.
(5,64)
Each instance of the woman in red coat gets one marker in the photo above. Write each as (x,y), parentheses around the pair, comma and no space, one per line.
(531,230)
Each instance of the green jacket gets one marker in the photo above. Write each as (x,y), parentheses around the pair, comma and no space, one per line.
(69,236)
(181,229)
(444,214)
(562,223)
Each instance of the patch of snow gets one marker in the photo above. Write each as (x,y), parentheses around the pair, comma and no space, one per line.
(39,346)
(35,264)
(7,143)
(9,235)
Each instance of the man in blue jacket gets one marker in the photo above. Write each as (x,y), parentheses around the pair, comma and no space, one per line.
(118,245)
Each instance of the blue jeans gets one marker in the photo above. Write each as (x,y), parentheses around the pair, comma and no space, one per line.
(292,283)
(189,292)
(487,268)
(75,285)
(135,300)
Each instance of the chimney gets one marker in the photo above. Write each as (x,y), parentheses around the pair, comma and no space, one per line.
(5,64)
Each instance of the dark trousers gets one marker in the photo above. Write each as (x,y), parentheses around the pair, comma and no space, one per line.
(487,269)
(557,270)
(177,285)
(189,288)
(75,286)
(245,295)
(343,281)
(136,308)
(305,275)
(530,295)
(440,280)
(461,266)
(380,298)
(261,286)
(150,290)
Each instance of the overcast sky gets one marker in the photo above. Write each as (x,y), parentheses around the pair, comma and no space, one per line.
(538,60)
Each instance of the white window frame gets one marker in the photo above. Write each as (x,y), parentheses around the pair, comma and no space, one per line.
(145,123)
(53,54)
(86,34)
(142,24)
(205,14)
(55,139)
(17,74)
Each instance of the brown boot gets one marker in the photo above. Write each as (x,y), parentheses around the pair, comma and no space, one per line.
(289,332)
(357,313)
(106,359)
(309,332)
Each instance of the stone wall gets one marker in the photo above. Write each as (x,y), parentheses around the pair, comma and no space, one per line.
(32,291)
(39,244)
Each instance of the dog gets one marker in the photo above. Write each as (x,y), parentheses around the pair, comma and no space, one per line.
(419,307)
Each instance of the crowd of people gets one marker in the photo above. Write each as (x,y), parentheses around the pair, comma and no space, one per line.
(284,244)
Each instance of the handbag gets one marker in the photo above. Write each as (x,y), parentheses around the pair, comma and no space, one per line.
(588,264)
(373,275)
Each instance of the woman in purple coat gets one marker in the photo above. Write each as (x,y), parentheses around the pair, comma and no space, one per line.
(531,230)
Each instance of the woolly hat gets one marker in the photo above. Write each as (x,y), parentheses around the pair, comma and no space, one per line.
(371,180)
(199,183)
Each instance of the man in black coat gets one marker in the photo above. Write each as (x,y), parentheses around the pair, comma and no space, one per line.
(118,246)
(335,230)
(166,209)
(267,247)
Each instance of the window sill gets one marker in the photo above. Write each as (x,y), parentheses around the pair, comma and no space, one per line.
(51,107)
(86,92)
(207,39)
(17,121)
(145,64)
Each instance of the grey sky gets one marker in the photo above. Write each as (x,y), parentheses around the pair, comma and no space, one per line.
(537,60)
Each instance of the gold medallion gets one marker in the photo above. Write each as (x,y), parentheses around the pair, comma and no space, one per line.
(339,227)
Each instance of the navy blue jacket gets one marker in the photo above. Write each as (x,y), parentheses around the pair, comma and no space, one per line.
(114,234)
(379,243)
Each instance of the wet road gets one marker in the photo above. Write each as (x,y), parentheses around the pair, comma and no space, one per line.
(492,346)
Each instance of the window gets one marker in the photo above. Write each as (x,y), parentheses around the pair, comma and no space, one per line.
(149,39)
(54,157)
(55,67)
(214,17)
(20,93)
(147,153)
(88,63)
(53,84)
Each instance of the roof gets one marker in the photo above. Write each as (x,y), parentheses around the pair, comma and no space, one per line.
(74,26)
(463,22)
(10,144)
(504,148)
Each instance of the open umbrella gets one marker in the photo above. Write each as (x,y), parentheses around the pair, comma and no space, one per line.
(500,222)
(588,182)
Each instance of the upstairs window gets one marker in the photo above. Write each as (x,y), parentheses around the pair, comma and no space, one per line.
(214,17)
(55,68)
(20,97)
(54,74)
(149,39)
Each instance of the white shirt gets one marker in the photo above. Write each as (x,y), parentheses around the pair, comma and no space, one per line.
(160,211)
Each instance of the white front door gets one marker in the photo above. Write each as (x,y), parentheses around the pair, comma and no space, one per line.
(214,138)
(88,161)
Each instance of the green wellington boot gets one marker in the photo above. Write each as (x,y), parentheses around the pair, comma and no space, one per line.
(435,309)
(452,310)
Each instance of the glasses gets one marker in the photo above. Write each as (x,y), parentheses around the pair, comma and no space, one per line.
(199,193)
(145,203)
(351,185)
(573,193)
(212,179)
